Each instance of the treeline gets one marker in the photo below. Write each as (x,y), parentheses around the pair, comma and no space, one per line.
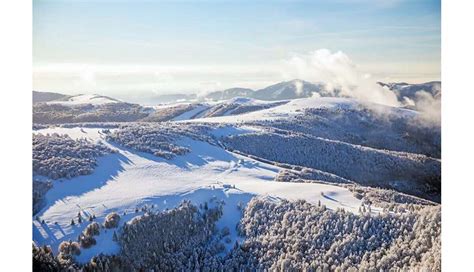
(44,113)
(40,188)
(384,129)
(168,113)
(304,174)
(44,260)
(58,156)
(181,239)
(298,236)
(364,165)
(278,236)
(157,139)
(387,198)
(234,108)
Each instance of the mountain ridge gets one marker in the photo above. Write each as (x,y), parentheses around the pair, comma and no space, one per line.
(285,90)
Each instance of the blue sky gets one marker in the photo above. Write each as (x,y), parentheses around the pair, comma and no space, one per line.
(116,47)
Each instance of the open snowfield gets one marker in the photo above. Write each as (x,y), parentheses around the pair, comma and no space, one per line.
(129,179)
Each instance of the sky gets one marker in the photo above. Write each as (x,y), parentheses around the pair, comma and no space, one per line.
(131,49)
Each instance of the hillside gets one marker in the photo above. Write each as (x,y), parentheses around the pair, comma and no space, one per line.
(290,90)
(84,99)
(409,90)
(244,175)
(230,94)
(39,97)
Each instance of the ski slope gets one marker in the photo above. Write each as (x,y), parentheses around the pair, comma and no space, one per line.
(129,179)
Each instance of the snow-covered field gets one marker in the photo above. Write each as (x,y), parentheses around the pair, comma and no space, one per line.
(129,179)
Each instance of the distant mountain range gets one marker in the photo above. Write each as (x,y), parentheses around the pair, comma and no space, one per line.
(230,93)
(298,88)
(281,91)
(169,98)
(285,90)
(39,97)
(408,90)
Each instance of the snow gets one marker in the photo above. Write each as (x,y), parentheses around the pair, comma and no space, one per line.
(130,179)
(189,114)
(297,106)
(247,101)
(93,99)
(228,130)
(75,132)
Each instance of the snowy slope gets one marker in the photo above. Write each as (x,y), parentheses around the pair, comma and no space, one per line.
(190,114)
(292,89)
(39,97)
(315,132)
(188,111)
(131,179)
(297,107)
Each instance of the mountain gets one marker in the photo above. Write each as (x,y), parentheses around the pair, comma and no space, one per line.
(328,133)
(170,98)
(230,102)
(189,111)
(230,93)
(297,88)
(87,108)
(274,167)
(281,91)
(290,90)
(403,89)
(84,99)
(39,97)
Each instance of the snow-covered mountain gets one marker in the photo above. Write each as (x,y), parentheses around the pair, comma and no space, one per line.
(281,91)
(298,88)
(189,111)
(242,174)
(84,99)
(290,90)
(403,89)
(171,98)
(39,97)
(229,94)
(344,125)
(87,108)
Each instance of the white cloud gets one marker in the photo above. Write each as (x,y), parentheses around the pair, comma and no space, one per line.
(338,72)
(429,106)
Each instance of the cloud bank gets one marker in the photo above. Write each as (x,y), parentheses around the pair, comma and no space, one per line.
(339,74)
(429,106)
